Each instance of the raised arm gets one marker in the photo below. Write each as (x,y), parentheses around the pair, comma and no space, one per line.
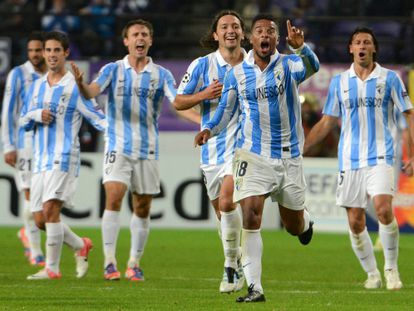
(319,131)
(296,41)
(87,90)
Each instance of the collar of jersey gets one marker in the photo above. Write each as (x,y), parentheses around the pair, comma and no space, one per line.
(221,60)
(148,67)
(374,74)
(250,58)
(63,81)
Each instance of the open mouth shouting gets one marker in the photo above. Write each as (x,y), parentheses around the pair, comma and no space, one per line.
(140,47)
(265,47)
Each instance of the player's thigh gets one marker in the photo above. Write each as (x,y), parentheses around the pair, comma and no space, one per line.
(351,188)
(145,177)
(213,178)
(36,204)
(291,192)
(254,175)
(58,185)
(380,180)
(117,168)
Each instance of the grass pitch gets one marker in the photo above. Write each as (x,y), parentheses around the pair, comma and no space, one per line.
(183,269)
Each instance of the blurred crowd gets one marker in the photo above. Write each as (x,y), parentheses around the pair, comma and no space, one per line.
(95,25)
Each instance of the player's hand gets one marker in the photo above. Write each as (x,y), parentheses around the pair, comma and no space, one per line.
(213,90)
(77,73)
(47,116)
(295,36)
(10,158)
(408,167)
(202,137)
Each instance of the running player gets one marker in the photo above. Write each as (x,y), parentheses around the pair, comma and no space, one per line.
(268,158)
(201,86)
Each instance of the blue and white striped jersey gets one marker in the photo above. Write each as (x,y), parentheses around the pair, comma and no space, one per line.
(366,109)
(134,106)
(200,74)
(18,81)
(271,122)
(56,145)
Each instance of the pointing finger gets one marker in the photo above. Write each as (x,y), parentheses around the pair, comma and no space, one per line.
(289,27)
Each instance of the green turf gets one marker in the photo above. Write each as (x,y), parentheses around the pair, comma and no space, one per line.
(183,270)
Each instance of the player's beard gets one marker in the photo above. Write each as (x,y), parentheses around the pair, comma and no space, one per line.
(38,64)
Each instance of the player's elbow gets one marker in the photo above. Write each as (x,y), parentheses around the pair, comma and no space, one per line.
(179,105)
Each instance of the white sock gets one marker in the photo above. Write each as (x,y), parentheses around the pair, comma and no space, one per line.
(54,242)
(139,228)
(32,231)
(230,230)
(363,249)
(110,230)
(306,220)
(252,249)
(389,235)
(71,239)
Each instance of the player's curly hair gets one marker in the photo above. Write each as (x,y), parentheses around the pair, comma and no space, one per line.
(368,31)
(207,41)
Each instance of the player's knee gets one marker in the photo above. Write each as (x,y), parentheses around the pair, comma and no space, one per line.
(113,203)
(39,220)
(40,223)
(385,215)
(226,204)
(252,220)
(356,226)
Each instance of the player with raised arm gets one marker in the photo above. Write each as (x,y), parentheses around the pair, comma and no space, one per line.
(17,143)
(201,87)
(54,109)
(364,97)
(268,157)
(136,87)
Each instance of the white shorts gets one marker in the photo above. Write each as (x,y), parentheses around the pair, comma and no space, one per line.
(283,179)
(50,185)
(354,186)
(213,177)
(141,175)
(23,169)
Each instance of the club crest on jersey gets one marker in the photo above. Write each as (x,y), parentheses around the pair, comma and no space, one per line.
(64,97)
(238,183)
(380,88)
(279,75)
